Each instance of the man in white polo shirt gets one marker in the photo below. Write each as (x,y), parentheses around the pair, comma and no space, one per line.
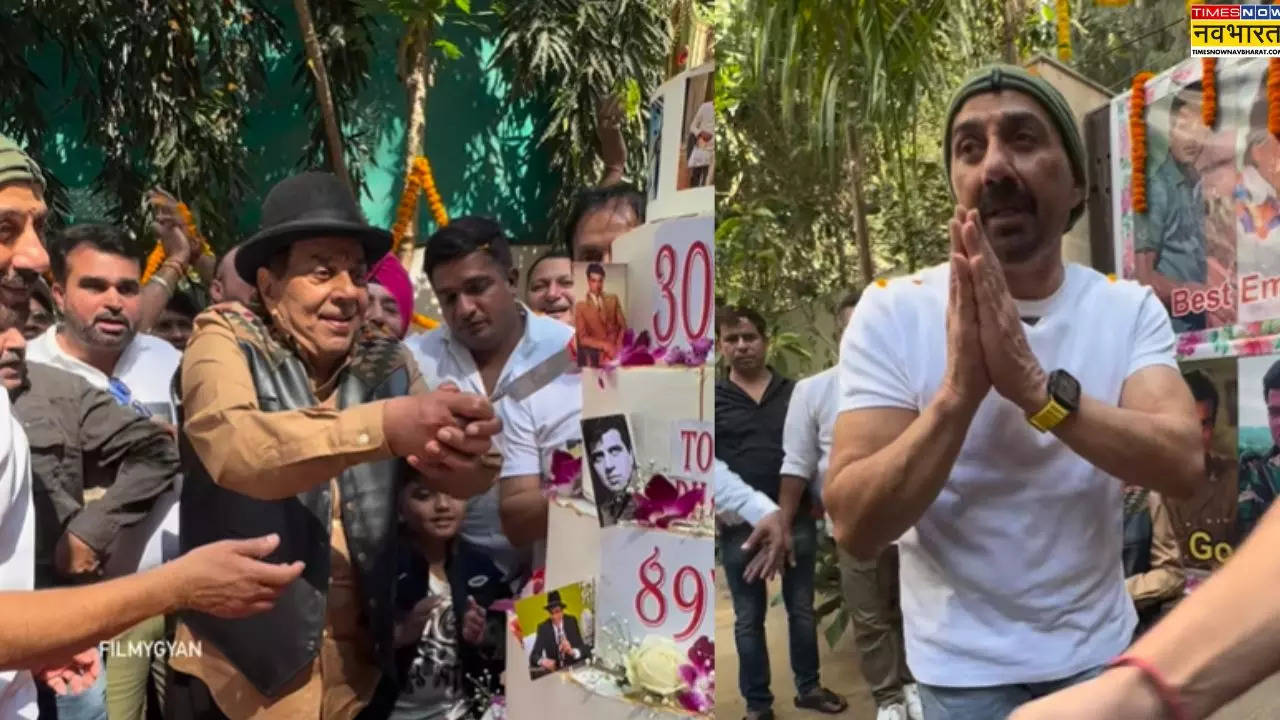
(490,340)
(870,587)
(1006,505)
(97,288)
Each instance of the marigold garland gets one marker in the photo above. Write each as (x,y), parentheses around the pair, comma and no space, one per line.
(1138,140)
(1064,30)
(1209,91)
(418,178)
(156,258)
(1273,97)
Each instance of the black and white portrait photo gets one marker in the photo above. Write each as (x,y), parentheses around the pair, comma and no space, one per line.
(612,464)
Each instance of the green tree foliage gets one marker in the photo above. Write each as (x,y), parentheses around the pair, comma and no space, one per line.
(162,88)
(569,54)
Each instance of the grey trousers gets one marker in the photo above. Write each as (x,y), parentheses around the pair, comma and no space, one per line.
(871,598)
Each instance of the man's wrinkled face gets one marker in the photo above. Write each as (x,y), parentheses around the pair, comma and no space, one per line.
(22,253)
(598,229)
(743,345)
(101,299)
(319,298)
(478,300)
(1187,134)
(1009,163)
(612,460)
(174,328)
(383,311)
(551,289)
(13,366)
(39,318)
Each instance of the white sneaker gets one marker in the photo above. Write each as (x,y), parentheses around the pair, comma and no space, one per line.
(915,709)
(892,712)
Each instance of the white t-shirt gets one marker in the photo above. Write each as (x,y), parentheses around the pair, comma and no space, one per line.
(146,367)
(17,547)
(735,501)
(1013,574)
(810,424)
(532,428)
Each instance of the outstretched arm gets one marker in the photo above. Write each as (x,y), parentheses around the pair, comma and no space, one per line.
(1219,642)
(222,578)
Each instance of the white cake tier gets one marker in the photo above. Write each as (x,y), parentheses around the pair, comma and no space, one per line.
(561,697)
(672,415)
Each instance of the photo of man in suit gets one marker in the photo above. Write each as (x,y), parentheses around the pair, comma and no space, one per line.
(599,321)
(559,643)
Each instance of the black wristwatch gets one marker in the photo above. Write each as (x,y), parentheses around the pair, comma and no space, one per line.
(1064,399)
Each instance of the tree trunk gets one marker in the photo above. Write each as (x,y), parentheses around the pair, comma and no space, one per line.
(324,97)
(865,266)
(1012,11)
(417,79)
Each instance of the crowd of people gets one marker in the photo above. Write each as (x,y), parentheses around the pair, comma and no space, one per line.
(1008,459)
(242,488)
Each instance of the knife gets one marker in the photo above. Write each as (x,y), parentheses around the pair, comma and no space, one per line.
(537,377)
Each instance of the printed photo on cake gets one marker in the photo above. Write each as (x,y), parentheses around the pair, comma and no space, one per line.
(655,146)
(611,460)
(598,317)
(556,630)
(698,143)
(1184,246)
(1259,439)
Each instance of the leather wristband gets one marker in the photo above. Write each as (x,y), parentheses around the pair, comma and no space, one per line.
(1169,696)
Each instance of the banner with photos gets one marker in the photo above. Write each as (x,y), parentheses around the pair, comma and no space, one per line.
(1208,244)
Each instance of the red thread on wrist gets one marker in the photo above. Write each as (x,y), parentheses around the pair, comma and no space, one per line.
(1169,697)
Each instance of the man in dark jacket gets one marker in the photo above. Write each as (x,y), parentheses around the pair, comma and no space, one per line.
(297,420)
(84,446)
(559,643)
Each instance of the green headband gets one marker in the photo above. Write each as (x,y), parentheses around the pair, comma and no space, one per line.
(17,166)
(996,78)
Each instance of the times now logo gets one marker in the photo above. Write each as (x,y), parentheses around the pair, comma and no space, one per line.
(1215,12)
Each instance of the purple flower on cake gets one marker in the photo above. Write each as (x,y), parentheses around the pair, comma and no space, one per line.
(566,470)
(695,356)
(699,677)
(636,351)
(662,502)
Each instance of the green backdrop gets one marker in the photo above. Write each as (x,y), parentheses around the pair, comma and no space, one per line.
(481,144)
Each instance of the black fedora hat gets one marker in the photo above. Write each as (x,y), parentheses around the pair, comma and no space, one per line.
(553,600)
(310,204)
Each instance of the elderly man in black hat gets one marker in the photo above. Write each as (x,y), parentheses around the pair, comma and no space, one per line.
(559,642)
(297,421)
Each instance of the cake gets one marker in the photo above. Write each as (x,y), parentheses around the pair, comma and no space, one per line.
(641,578)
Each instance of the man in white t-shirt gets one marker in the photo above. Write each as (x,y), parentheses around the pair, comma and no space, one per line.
(97,287)
(870,587)
(1006,505)
(22,259)
(489,341)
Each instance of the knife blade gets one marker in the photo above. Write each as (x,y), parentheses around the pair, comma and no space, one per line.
(537,377)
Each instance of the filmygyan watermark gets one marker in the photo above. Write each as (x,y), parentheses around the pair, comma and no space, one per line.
(151,648)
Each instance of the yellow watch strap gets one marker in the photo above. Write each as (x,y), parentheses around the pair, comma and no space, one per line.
(1049,416)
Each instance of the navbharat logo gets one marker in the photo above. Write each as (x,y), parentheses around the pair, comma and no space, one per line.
(1241,30)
